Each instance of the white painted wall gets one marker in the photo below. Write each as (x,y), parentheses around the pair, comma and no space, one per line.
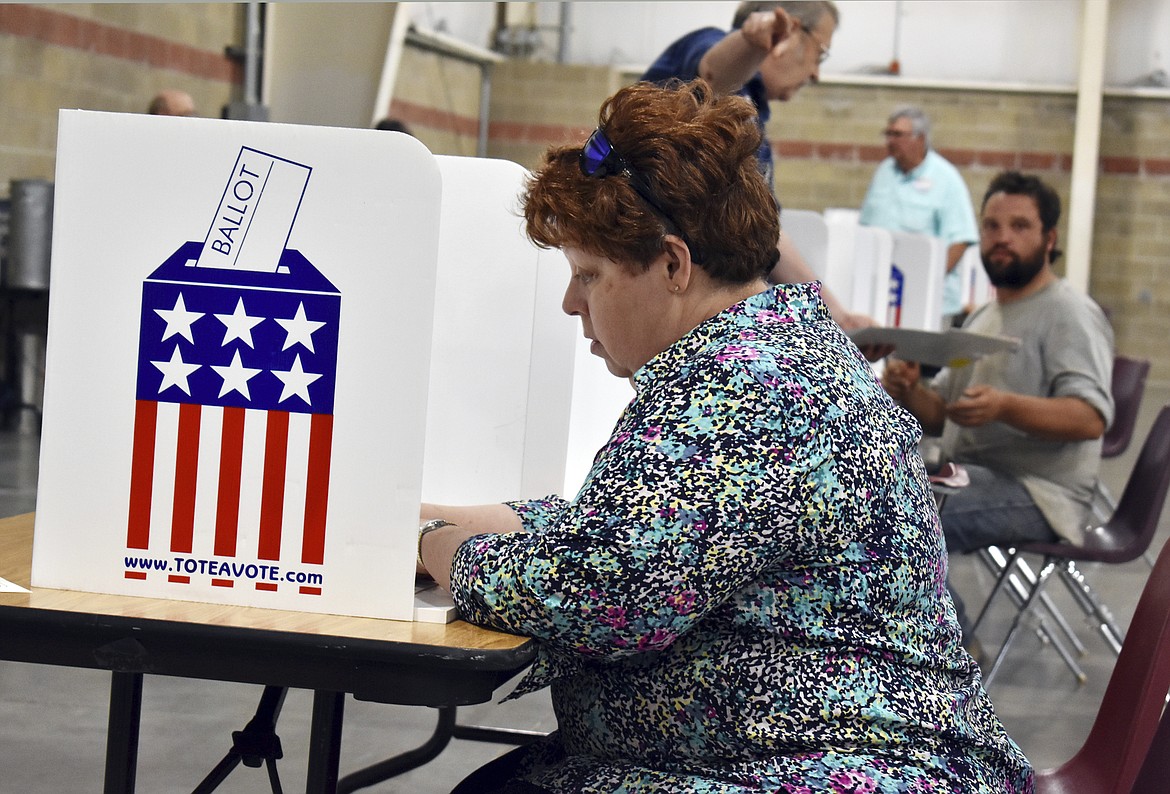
(1007,41)
(323,61)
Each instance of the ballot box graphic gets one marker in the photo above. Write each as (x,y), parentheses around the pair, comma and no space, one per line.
(237,367)
(236,372)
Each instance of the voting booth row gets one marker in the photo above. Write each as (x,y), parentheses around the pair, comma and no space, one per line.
(894,277)
(269,343)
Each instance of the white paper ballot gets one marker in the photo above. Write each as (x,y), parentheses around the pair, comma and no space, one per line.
(10,587)
(256,214)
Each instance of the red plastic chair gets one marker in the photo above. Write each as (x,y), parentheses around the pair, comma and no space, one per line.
(1121,738)
(1128,387)
(1154,777)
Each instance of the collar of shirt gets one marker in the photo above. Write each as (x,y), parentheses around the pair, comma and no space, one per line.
(917,172)
(755,91)
(784,303)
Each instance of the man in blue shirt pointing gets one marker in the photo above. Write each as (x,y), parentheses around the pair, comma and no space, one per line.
(772,51)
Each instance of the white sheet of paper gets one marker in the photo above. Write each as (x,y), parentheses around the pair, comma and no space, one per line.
(10,587)
(434,605)
(951,348)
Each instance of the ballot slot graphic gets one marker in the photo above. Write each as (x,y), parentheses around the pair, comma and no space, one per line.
(234,396)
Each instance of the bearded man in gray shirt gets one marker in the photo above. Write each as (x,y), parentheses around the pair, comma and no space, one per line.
(1026,425)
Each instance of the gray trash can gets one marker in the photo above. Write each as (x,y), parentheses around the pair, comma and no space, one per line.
(30,234)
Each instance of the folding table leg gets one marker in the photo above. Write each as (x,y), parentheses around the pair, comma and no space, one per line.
(122,732)
(404,762)
(325,742)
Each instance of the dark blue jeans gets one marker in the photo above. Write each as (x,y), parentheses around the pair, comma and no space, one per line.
(994,510)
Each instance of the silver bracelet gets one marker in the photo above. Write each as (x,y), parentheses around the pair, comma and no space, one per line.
(429,526)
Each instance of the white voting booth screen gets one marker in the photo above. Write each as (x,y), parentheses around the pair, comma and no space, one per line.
(894,277)
(238,361)
(502,364)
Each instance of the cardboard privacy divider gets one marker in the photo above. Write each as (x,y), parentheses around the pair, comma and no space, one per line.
(502,364)
(248,429)
(503,349)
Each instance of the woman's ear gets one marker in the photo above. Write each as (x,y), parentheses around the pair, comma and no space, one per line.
(679,269)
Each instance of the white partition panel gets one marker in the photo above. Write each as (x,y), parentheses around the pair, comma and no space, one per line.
(810,234)
(841,274)
(920,263)
(976,287)
(236,378)
(598,400)
(550,385)
(496,396)
(873,253)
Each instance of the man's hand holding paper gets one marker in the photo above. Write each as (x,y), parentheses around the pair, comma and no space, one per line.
(979,405)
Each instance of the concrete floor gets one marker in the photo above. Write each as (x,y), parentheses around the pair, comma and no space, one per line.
(52,720)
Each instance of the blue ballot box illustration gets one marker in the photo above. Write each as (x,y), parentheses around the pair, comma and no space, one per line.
(234,394)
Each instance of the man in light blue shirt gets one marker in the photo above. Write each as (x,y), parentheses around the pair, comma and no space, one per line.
(915,189)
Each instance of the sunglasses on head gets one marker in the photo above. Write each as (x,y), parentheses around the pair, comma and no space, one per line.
(599,159)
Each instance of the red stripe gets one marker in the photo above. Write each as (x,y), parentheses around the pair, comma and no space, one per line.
(222,583)
(310,591)
(186,474)
(231,461)
(141,475)
(267,586)
(317,488)
(272,489)
(92,36)
(179,579)
(135,575)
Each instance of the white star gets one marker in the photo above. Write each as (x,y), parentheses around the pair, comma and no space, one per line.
(300,329)
(175,372)
(178,320)
(296,381)
(239,325)
(235,377)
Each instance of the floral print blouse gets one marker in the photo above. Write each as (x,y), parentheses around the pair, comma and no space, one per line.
(748,593)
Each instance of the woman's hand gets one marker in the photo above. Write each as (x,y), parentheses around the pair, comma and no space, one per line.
(437,547)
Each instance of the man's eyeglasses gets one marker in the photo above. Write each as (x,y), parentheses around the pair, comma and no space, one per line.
(822,48)
(598,158)
(897,133)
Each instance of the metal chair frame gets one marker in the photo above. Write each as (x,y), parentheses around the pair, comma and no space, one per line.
(1126,536)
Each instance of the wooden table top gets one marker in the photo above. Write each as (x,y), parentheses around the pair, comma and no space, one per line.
(16,535)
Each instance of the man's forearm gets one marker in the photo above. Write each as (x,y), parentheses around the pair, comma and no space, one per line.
(928,408)
(731,63)
(1053,418)
(954,253)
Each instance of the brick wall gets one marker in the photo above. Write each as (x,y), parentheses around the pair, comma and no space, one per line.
(111,57)
(536,105)
(439,97)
